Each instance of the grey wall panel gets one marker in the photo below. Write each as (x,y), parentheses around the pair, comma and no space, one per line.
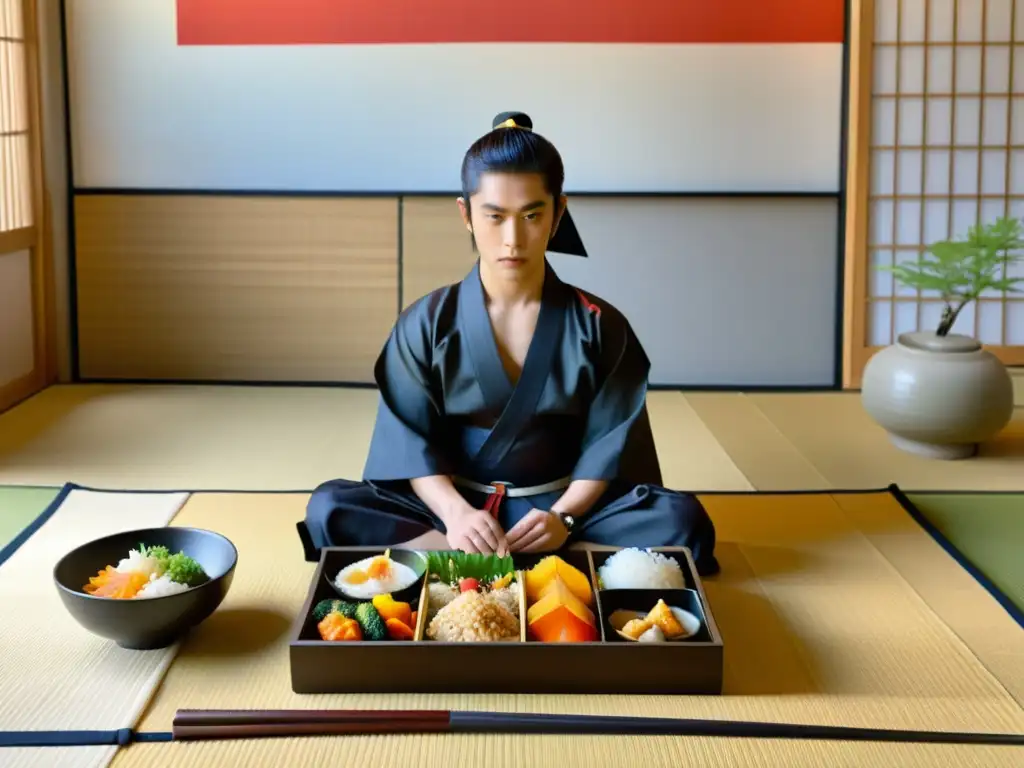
(722,291)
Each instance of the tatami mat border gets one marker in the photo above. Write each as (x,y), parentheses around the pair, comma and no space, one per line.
(26,533)
(119,738)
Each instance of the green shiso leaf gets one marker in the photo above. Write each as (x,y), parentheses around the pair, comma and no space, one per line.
(449,567)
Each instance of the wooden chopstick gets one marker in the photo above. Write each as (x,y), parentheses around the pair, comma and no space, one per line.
(194,725)
(191,725)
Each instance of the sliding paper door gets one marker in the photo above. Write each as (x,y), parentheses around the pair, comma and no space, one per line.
(25,357)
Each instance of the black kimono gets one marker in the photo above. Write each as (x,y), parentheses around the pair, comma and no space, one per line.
(578,411)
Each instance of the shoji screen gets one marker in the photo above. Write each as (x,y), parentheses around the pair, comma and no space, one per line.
(23,346)
(947,150)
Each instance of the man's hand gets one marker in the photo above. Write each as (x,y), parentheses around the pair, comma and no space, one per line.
(539,531)
(468,529)
(475,531)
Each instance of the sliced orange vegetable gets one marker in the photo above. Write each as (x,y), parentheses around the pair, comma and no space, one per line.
(336,626)
(112,583)
(559,616)
(552,567)
(389,609)
(399,630)
(557,594)
(561,625)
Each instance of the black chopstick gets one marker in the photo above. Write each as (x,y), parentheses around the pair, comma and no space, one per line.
(514,722)
(225,724)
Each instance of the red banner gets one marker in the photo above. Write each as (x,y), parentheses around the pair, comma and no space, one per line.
(320,22)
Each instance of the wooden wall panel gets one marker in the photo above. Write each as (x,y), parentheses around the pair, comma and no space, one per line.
(436,247)
(17,321)
(234,288)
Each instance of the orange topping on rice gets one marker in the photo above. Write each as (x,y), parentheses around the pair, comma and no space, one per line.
(380,568)
(112,583)
(357,577)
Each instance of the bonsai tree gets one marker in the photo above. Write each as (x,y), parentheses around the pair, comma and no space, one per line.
(962,269)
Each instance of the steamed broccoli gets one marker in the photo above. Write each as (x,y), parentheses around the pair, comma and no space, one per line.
(372,624)
(324,607)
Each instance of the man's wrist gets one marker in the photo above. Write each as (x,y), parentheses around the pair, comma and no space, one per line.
(566,518)
(560,508)
(453,509)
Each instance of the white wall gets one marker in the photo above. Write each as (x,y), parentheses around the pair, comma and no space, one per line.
(17,351)
(148,112)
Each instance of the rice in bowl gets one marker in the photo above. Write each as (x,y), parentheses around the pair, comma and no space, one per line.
(161,586)
(641,569)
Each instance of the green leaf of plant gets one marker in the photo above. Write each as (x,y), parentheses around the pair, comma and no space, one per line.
(962,269)
(1009,284)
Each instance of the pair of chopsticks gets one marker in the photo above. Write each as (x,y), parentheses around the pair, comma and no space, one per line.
(195,725)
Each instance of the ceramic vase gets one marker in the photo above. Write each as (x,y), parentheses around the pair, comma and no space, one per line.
(938,396)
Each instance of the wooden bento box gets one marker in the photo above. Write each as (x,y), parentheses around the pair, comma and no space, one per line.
(557,647)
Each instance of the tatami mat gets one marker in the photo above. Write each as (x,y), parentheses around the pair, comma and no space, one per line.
(500,751)
(294,438)
(19,507)
(819,627)
(691,456)
(57,757)
(837,437)
(988,528)
(257,438)
(55,675)
(173,437)
(976,618)
(759,450)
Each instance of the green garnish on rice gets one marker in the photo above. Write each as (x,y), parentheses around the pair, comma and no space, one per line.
(184,570)
(160,553)
(179,568)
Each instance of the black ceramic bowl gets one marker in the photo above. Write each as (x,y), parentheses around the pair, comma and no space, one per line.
(146,623)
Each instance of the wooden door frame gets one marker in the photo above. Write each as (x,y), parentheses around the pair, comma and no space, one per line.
(858,186)
(37,238)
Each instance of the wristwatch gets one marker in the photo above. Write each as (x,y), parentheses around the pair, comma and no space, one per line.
(567,520)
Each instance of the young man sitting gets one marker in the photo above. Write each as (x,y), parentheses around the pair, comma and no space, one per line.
(512,412)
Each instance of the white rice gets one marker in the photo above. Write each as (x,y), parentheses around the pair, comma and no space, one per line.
(160,586)
(400,577)
(641,569)
(137,562)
